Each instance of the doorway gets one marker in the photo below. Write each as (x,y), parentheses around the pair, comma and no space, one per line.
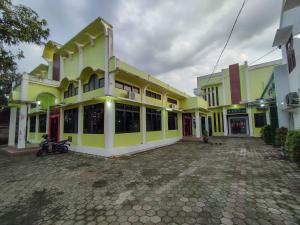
(54,127)
(238,125)
(187,125)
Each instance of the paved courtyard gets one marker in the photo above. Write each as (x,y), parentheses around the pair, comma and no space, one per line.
(234,181)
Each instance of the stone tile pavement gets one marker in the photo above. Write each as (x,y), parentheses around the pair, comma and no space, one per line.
(239,181)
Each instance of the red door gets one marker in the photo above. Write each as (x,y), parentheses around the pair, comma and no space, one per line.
(187,126)
(54,127)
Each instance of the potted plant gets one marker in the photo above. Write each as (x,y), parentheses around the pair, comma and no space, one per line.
(205,136)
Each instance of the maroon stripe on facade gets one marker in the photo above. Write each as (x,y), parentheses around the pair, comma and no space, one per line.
(234,74)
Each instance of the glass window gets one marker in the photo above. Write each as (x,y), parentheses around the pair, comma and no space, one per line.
(217,95)
(173,101)
(101,83)
(290,54)
(260,119)
(32,123)
(215,122)
(153,119)
(93,119)
(42,123)
(119,85)
(93,82)
(127,118)
(127,87)
(136,90)
(213,96)
(153,95)
(172,121)
(71,121)
(86,88)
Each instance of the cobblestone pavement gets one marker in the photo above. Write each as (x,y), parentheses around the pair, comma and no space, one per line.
(240,181)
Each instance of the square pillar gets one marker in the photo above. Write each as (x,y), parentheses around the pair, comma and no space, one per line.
(47,120)
(249,111)
(198,126)
(109,124)
(225,122)
(22,127)
(37,125)
(206,125)
(144,124)
(12,126)
(80,124)
(61,123)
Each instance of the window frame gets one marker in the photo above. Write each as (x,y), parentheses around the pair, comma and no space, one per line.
(68,127)
(126,87)
(32,124)
(290,54)
(94,83)
(172,100)
(153,120)
(264,118)
(93,114)
(42,119)
(127,118)
(173,117)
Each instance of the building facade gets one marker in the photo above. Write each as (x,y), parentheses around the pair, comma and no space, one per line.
(106,106)
(287,76)
(234,99)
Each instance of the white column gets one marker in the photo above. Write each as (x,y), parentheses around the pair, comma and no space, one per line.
(109,125)
(12,126)
(200,124)
(164,115)
(47,120)
(50,69)
(28,127)
(144,116)
(22,127)
(225,122)
(111,83)
(249,111)
(224,88)
(37,124)
(206,125)
(79,96)
(61,124)
(197,118)
(80,57)
(80,124)
(268,117)
(106,63)
(180,123)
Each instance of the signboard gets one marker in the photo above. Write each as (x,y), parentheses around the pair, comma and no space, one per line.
(236,111)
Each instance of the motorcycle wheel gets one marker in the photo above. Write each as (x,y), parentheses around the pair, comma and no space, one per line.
(66,149)
(39,153)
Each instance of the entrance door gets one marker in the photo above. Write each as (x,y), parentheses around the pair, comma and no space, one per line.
(54,127)
(238,125)
(187,126)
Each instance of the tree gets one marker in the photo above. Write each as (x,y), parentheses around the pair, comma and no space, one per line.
(18,24)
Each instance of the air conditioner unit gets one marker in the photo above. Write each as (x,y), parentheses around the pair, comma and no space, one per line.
(173,106)
(131,95)
(292,99)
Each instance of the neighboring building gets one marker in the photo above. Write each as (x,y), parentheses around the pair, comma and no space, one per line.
(287,76)
(233,97)
(107,106)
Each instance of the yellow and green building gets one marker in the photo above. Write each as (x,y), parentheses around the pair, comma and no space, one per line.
(235,101)
(106,106)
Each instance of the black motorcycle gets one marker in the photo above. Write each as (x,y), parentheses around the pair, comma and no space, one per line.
(50,147)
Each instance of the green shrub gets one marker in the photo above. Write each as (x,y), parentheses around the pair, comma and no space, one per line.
(280,136)
(292,145)
(268,134)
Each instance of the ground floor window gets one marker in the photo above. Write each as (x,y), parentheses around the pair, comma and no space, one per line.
(260,119)
(71,121)
(32,123)
(127,118)
(172,121)
(42,123)
(93,119)
(153,119)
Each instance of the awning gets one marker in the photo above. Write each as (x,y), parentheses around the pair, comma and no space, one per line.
(282,35)
(290,4)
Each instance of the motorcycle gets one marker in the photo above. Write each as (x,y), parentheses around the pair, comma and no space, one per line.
(50,147)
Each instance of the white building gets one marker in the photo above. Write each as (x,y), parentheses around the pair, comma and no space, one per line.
(287,76)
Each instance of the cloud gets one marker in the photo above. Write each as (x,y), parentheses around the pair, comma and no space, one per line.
(173,40)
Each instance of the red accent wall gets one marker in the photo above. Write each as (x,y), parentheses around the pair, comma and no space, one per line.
(235,86)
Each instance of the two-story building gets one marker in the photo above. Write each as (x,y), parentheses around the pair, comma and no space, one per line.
(286,77)
(234,99)
(106,106)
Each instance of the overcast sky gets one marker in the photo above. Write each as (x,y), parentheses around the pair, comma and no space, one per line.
(176,41)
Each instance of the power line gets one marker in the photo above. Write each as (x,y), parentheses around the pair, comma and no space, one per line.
(227,41)
(268,53)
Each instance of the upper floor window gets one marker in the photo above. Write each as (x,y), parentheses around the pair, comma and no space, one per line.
(127,87)
(153,95)
(290,52)
(94,83)
(72,91)
(173,101)
(56,66)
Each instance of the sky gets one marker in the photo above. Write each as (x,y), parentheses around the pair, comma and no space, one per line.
(174,40)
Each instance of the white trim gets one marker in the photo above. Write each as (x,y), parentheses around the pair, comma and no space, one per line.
(12,126)
(225,122)
(144,124)
(22,127)
(249,111)
(143,147)
(37,124)
(274,62)
(198,126)
(268,117)
(206,125)
(50,69)
(223,87)
(109,123)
